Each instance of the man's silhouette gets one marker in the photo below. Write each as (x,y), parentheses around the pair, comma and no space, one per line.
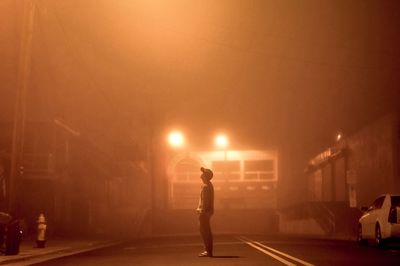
(206,210)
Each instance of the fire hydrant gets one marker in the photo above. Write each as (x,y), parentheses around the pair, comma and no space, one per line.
(41,231)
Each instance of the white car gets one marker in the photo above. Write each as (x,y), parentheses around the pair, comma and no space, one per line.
(380,221)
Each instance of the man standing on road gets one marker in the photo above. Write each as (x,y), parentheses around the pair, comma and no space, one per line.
(206,210)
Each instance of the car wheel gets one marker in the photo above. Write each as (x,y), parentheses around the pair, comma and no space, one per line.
(360,239)
(378,236)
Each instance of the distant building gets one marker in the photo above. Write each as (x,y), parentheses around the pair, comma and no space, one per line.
(344,177)
(359,167)
(79,182)
(242,179)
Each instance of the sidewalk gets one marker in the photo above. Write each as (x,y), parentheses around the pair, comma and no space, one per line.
(55,248)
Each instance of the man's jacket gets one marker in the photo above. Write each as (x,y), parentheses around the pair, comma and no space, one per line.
(206,202)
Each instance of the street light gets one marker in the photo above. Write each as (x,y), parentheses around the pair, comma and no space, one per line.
(339,136)
(221,141)
(176,139)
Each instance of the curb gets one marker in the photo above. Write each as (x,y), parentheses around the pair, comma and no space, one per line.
(39,258)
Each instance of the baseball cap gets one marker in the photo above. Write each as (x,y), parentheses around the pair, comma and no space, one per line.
(207,172)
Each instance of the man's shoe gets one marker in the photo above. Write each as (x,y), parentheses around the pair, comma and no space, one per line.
(205,254)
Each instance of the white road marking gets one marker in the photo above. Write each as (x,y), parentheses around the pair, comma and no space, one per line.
(268,253)
(284,254)
(247,240)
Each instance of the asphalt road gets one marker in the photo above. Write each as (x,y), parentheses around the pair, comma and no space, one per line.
(237,251)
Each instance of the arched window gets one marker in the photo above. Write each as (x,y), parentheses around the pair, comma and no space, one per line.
(188,169)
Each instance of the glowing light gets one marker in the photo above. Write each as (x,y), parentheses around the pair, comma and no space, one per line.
(176,139)
(221,141)
(339,136)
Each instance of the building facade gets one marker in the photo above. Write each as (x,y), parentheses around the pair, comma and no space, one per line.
(244,179)
(359,167)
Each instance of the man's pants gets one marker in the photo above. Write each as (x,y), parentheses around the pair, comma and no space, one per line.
(205,231)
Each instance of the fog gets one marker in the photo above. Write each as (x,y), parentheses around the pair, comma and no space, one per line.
(273,74)
(263,69)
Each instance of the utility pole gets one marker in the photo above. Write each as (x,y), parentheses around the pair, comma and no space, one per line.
(23,75)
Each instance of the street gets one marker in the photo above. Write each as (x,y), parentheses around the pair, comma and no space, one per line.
(237,250)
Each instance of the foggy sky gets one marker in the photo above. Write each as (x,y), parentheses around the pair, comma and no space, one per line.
(270,73)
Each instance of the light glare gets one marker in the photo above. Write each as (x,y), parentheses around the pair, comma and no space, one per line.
(338,137)
(176,139)
(221,141)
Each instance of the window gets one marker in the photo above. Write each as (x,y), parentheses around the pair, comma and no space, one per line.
(259,170)
(228,166)
(266,176)
(187,170)
(377,203)
(395,201)
(226,169)
(251,176)
(259,166)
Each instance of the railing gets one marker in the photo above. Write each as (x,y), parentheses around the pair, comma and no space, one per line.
(317,210)
(323,216)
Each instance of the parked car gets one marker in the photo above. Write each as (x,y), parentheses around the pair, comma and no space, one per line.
(380,221)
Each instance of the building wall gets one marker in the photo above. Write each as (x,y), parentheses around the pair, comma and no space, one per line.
(352,173)
(340,189)
(327,183)
(372,161)
(80,189)
(307,226)
(367,165)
